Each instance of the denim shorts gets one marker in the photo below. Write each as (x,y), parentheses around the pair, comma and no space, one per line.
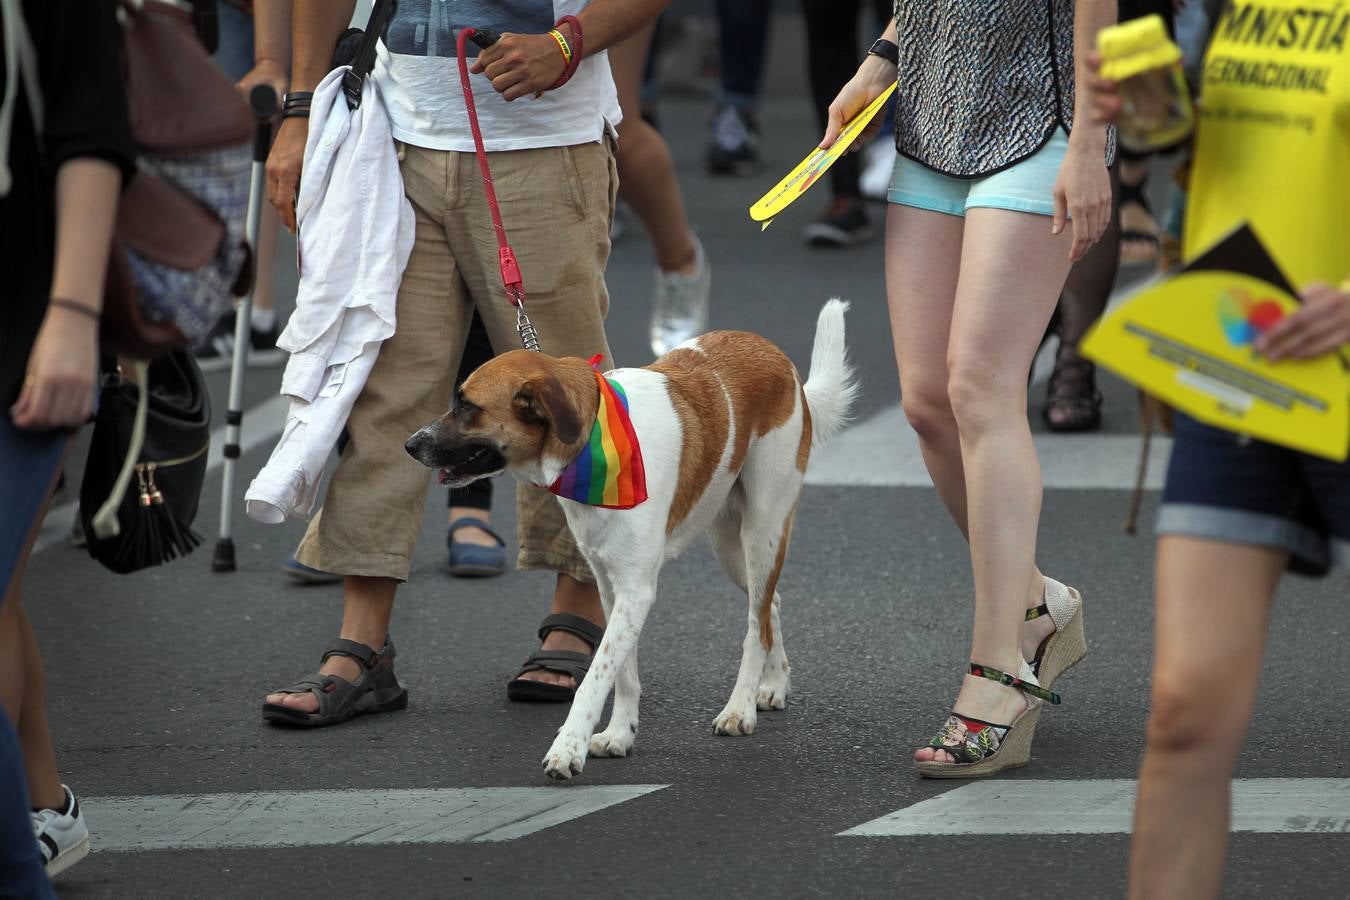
(28,462)
(1027,186)
(1226,487)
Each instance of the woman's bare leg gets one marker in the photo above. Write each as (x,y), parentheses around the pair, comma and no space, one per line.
(1214,604)
(1012,270)
(22,687)
(923,262)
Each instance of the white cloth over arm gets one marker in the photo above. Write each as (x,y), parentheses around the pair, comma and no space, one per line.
(355,233)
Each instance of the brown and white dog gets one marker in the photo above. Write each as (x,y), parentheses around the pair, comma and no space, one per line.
(726,427)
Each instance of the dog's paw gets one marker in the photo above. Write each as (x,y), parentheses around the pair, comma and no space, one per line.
(771,697)
(734,722)
(566,758)
(613,741)
(774,689)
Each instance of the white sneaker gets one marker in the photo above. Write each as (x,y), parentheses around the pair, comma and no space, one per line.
(878,167)
(62,836)
(680,307)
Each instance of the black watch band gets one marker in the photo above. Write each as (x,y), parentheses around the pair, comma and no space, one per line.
(887,50)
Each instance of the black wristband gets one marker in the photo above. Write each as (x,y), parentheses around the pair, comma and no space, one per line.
(295,112)
(887,50)
(292,97)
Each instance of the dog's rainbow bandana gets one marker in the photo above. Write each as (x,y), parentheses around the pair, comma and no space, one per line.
(608,471)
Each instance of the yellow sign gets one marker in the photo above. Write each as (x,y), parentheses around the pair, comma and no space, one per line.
(1188,340)
(816,164)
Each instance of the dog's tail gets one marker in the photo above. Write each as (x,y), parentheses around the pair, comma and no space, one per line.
(831,387)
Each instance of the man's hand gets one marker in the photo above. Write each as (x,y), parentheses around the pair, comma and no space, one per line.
(1319,326)
(522,64)
(283,168)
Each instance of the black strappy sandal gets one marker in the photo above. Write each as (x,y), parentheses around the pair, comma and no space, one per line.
(983,748)
(376,689)
(563,662)
(1134,193)
(1072,401)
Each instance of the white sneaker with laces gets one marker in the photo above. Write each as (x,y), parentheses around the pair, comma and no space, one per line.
(62,835)
(878,167)
(680,307)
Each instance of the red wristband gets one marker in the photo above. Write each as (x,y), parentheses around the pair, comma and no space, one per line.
(577,50)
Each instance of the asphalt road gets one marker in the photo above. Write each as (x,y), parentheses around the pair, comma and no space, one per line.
(155,680)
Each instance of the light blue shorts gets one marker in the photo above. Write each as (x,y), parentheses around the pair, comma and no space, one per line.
(1027,186)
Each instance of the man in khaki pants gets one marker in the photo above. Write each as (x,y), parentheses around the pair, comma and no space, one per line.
(552,160)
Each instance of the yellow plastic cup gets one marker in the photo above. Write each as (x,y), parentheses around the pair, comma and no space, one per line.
(1156,109)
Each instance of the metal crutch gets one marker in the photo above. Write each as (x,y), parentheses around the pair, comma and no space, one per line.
(263,101)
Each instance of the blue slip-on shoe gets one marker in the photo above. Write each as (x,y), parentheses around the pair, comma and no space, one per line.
(475,560)
(301,572)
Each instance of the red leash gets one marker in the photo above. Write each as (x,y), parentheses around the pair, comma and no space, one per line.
(511,280)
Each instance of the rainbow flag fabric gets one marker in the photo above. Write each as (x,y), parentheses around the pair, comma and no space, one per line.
(608,471)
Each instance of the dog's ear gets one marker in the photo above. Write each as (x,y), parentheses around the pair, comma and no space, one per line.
(545,400)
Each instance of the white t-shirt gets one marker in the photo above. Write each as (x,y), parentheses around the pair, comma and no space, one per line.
(418,77)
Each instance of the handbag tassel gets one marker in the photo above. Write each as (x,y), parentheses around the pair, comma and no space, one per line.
(154,535)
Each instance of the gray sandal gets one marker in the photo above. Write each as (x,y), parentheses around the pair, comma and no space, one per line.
(563,662)
(376,689)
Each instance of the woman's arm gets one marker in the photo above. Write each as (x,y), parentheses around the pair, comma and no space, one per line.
(271,47)
(873,77)
(1090,17)
(58,388)
(1083,188)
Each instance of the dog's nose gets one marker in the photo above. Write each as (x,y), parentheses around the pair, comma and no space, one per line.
(415,444)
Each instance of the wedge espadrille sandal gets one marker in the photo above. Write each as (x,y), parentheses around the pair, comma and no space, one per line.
(983,748)
(1066,645)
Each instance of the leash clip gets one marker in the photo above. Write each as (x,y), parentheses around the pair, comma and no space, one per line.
(529,338)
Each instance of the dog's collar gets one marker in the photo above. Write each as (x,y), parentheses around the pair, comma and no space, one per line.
(608,471)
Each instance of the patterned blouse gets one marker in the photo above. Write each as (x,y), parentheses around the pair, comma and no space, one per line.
(983,84)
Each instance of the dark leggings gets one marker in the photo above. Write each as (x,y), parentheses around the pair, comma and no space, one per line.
(477,350)
(744,29)
(832,56)
(1089,284)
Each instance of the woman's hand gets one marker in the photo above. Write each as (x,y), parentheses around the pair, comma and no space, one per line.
(1102,95)
(269,72)
(1083,194)
(283,167)
(1320,326)
(522,64)
(873,77)
(58,390)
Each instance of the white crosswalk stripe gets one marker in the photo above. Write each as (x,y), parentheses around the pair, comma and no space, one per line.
(883,451)
(1106,806)
(365,817)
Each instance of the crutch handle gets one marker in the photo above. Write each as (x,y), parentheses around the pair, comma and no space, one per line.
(262,100)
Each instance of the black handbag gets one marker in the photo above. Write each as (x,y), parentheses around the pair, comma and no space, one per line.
(154,441)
